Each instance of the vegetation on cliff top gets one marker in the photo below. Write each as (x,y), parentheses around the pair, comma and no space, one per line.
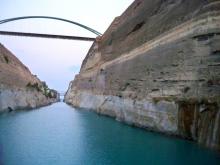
(42,88)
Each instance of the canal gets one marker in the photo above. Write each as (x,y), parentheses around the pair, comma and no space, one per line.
(61,135)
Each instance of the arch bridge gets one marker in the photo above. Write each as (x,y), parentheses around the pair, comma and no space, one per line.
(48,35)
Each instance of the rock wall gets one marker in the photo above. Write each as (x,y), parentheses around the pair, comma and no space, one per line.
(19,89)
(157,66)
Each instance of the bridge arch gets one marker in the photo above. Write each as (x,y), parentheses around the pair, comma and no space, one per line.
(54,18)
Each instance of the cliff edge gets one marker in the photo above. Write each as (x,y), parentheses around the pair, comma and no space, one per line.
(157,66)
(19,89)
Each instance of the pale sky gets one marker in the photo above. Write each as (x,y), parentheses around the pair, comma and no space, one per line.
(56,61)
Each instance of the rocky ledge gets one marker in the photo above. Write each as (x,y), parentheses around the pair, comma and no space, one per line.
(157,66)
(19,89)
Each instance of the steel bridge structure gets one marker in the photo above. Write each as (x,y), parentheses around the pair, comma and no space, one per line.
(48,35)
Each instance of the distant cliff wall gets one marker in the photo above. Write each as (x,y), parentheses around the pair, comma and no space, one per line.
(19,89)
(157,66)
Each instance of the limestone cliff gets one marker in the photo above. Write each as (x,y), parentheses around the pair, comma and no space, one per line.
(19,89)
(157,66)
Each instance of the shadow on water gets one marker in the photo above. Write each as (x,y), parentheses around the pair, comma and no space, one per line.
(61,135)
(1,155)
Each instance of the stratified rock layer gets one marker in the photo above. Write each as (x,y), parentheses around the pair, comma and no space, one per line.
(158,67)
(19,89)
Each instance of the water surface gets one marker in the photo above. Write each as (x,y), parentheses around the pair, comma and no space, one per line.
(61,135)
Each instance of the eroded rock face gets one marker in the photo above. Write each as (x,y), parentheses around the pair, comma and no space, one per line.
(19,89)
(158,67)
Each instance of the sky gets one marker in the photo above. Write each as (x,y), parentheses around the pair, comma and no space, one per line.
(56,61)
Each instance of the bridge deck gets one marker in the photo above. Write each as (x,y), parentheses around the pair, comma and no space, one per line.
(46,36)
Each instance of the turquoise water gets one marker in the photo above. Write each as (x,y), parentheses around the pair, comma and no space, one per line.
(60,135)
